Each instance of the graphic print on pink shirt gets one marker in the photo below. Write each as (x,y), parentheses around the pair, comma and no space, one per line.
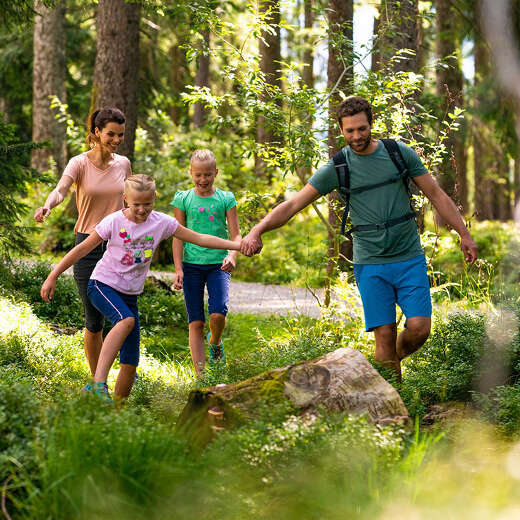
(138,251)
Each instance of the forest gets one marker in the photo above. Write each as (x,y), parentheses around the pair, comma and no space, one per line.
(258,83)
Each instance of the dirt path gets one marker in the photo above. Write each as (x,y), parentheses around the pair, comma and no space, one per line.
(257,298)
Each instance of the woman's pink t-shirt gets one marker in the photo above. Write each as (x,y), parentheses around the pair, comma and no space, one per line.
(130,249)
(98,192)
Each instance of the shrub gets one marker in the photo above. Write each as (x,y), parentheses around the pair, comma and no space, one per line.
(502,407)
(446,367)
(65,308)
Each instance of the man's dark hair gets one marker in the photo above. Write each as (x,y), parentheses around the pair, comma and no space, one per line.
(352,106)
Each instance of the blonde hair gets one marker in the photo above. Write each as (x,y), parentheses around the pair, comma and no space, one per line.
(140,182)
(203,155)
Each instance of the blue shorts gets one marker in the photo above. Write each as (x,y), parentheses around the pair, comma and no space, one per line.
(196,276)
(117,306)
(382,286)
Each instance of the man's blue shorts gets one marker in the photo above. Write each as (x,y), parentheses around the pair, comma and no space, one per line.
(117,306)
(382,286)
(196,276)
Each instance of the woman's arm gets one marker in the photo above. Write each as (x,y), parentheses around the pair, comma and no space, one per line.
(230,261)
(209,241)
(177,249)
(55,197)
(47,290)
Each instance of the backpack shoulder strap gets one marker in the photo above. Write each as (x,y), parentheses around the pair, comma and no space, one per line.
(343,173)
(395,154)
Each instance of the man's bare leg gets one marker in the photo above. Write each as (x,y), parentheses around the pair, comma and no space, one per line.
(413,337)
(386,337)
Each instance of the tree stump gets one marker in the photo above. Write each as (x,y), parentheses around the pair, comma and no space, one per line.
(340,381)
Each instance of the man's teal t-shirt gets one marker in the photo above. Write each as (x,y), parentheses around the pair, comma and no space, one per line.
(205,215)
(397,243)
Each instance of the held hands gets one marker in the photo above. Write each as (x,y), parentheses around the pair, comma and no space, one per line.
(469,248)
(41,214)
(251,244)
(48,287)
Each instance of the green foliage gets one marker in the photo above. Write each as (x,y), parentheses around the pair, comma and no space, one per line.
(292,255)
(447,366)
(65,307)
(19,416)
(502,407)
(14,177)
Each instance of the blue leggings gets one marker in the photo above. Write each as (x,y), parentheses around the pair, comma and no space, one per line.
(196,276)
(117,306)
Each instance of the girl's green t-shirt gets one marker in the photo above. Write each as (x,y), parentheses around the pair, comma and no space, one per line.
(205,215)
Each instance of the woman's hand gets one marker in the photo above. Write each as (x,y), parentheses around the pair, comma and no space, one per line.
(41,214)
(229,264)
(48,287)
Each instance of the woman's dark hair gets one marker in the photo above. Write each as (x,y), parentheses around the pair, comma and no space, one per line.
(100,118)
(351,106)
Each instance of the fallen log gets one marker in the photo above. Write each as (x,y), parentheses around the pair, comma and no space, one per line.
(340,381)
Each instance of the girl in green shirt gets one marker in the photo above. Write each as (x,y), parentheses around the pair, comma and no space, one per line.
(205,209)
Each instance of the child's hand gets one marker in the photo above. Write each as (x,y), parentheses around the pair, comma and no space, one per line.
(228,264)
(47,290)
(178,280)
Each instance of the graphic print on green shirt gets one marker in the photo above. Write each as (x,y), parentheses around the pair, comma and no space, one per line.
(205,215)
(397,243)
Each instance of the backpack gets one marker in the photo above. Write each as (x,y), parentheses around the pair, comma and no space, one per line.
(343,173)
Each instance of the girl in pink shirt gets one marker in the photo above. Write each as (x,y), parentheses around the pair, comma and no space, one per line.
(132,235)
(99,177)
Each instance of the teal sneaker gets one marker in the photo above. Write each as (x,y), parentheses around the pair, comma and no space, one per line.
(99,389)
(216,353)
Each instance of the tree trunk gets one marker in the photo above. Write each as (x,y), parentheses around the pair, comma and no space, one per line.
(269,47)
(450,81)
(178,80)
(308,51)
(202,80)
(340,18)
(376,50)
(400,28)
(116,71)
(341,381)
(49,74)
(482,137)
(516,210)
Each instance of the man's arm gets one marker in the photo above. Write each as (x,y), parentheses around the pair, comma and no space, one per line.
(252,242)
(449,212)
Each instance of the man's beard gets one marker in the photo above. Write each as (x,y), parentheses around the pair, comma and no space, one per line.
(364,144)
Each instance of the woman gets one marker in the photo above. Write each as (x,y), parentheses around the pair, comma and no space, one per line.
(99,176)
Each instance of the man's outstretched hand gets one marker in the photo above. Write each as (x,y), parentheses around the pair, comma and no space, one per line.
(251,244)
(469,248)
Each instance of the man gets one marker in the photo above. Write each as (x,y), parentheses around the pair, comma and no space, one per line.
(389,263)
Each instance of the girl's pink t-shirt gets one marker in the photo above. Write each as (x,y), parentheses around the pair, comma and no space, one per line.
(98,192)
(130,249)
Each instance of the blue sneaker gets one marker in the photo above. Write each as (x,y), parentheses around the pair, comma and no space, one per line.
(216,353)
